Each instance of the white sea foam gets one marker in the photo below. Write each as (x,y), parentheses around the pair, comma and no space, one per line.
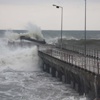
(22,59)
(52,40)
(55,39)
(3,46)
(73,98)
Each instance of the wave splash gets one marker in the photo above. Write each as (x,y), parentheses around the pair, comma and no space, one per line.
(32,31)
(19,58)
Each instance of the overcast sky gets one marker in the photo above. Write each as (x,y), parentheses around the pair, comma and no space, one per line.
(15,14)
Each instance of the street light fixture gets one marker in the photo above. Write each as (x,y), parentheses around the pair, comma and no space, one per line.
(61,20)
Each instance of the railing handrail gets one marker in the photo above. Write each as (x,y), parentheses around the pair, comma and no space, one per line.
(80,49)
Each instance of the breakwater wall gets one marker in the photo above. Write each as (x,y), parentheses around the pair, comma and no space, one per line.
(85,80)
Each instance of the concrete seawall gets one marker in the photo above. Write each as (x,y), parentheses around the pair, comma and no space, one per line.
(83,81)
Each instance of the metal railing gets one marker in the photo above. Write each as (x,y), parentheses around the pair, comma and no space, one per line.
(80,49)
(92,64)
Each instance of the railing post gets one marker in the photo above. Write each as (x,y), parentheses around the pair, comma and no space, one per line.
(64,56)
(89,63)
(98,67)
(82,61)
(69,58)
(51,52)
(97,63)
(95,86)
(72,59)
(94,62)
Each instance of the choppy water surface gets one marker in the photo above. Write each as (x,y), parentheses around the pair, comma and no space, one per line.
(35,85)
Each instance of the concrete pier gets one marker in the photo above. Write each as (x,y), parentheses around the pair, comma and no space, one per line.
(72,71)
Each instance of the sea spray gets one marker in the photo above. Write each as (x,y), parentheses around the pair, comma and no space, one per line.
(22,59)
(3,47)
(11,36)
(54,40)
(33,32)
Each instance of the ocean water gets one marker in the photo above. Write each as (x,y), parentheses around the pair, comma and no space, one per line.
(53,36)
(71,34)
(21,76)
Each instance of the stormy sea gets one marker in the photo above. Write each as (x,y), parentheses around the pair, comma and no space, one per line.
(21,76)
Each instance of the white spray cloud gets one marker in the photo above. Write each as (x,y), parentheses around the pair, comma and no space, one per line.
(20,59)
(11,36)
(34,32)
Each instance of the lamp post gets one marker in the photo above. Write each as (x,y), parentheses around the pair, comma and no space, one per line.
(61,20)
(85,34)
